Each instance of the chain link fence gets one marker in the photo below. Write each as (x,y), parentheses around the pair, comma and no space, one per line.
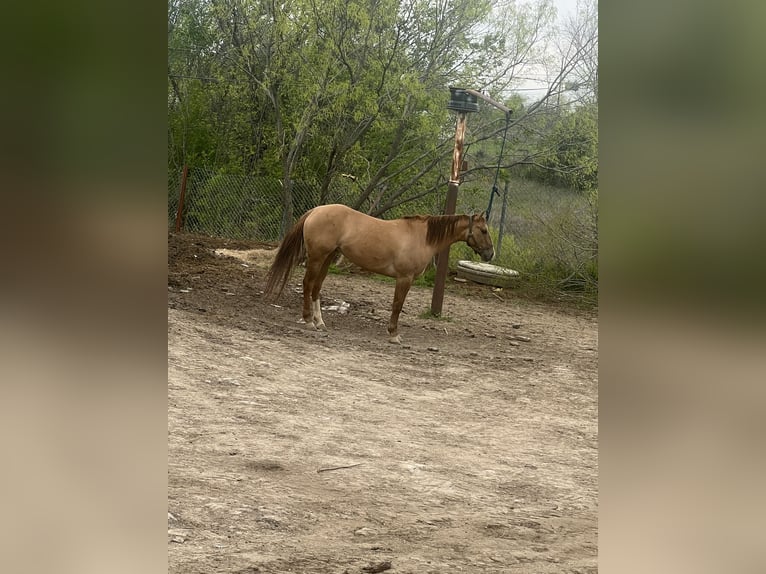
(550,235)
(238,206)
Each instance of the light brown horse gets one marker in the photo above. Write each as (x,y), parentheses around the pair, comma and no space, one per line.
(399,248)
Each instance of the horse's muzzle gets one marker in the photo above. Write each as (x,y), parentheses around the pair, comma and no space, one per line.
(487,254)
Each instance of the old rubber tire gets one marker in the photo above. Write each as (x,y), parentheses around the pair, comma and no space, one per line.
(486,273)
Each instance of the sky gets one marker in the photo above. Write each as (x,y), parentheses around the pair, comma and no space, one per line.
(533,90)
(565,7)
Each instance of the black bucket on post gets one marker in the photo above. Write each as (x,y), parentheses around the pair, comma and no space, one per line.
(461,101)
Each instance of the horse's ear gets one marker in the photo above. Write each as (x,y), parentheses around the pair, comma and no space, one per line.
(483,215)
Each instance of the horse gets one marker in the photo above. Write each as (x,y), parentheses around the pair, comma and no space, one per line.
(398,248)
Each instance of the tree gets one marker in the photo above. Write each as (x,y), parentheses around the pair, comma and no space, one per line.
(555,137)
(312,91)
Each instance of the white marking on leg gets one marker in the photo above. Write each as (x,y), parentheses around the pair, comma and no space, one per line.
(317,315)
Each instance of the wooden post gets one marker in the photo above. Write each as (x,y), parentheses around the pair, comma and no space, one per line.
(179,213)
(442,263)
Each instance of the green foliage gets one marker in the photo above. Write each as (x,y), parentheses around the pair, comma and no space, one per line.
(313,90)
(551,239)
(426,279)
(211,207)
(335,270)
(571,158)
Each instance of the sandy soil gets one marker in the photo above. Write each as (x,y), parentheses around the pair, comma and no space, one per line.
(471,448)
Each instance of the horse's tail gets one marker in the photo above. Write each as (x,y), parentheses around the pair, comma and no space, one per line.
(290,253)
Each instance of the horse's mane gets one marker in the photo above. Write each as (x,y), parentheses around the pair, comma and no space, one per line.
(440,227)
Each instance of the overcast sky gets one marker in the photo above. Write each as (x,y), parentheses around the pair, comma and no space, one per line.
(565,7)
(532,90)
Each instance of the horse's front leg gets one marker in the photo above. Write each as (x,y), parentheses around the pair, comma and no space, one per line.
(403,285)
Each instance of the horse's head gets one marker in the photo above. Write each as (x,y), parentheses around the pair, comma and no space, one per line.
(478,236)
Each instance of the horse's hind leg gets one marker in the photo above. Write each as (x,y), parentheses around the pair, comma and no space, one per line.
(403,285)
(316,271)
(317,287)
(309,278)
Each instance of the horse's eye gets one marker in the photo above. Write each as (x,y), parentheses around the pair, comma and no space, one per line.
(484,231)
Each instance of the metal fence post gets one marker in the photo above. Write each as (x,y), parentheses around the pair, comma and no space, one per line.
(501,232)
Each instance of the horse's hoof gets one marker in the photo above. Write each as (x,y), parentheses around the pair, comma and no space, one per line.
(308,325)
(397,340)
(320,326)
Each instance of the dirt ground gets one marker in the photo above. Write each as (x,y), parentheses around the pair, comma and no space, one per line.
(470,448)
